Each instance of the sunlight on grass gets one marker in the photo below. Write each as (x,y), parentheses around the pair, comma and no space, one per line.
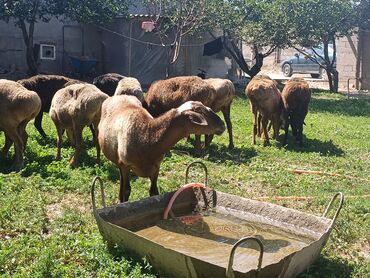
(47,228)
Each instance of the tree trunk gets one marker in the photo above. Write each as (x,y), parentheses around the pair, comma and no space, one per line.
(31,62)
(238,57)
(333,79)
(257,66)
(28,40)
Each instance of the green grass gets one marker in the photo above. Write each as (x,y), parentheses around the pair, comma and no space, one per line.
(46,223)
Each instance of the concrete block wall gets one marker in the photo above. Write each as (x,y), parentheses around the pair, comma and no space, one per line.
(347,55)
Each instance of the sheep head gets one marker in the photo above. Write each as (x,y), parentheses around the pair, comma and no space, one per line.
(201,119)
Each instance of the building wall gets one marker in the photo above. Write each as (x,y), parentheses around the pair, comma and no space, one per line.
(79,40)
(191,59)
(347,55)
(143,56)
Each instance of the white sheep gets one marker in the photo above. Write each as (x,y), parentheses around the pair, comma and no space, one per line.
(130,86)
(133,140)
(73,108)
(17,107)
(225,92)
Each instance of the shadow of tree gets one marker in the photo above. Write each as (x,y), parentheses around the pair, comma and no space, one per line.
(325,267)
(220,153)
(47,165)
(325,148)
(349,107)
(6,164)
(48,141)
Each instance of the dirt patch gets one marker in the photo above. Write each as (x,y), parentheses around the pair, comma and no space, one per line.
(69,201)
(364,248)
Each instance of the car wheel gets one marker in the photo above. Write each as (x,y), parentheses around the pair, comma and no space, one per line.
(317,75)
(287,70)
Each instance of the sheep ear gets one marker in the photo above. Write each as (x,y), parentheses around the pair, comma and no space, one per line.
(196,118)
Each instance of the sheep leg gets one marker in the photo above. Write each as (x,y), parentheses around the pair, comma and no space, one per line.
(92,128)
(294,126)
(269,127)
(265,132)
(299,138)
(70,137)
(259,133)
(208,140)
(125,188)
(59,140)
(276,126)
(197,145)
(23,133)
(18,148)
(226,113)
(255,122)
(286,131)
(153,184)
(38,124)
(95,127)
(77,135)
(7,145)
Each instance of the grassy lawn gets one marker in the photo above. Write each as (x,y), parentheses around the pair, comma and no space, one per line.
(47,228)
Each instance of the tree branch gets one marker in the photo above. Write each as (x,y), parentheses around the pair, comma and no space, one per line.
(310,57)
(268,53)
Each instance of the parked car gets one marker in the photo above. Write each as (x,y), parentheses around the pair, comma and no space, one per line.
(300,63)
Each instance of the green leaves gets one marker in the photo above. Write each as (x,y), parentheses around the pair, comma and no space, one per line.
(310,21)
(92,11)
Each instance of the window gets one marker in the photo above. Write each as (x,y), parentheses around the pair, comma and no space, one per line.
(47,52)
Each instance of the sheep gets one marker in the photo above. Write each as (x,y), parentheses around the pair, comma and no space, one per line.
(133,140)
(73,108)
(266,104)
(225,92)
(45,86)
(108,82)
(164,95)
(130,86)
(17,107)
(296,97)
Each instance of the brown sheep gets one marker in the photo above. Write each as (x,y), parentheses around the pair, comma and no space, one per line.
(133,140)
(296,96)
(130,86)
(225,92)
(266,104)
(46,86)
(107,83)
(17,107)
(164,95)
(73,108)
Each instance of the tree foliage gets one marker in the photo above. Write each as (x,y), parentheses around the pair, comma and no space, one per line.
(314,23)
(183,17)
(257,23)
(265,25)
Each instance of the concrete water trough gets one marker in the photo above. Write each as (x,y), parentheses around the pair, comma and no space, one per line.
(199,232)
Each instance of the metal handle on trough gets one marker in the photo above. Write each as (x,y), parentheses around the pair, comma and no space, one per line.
(229,270)
(205,171)
(177,193)
(97,178)
(341,201)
